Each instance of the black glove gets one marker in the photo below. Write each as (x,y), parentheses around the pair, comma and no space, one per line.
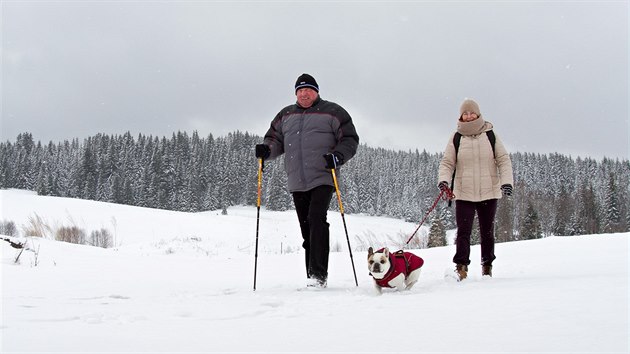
(443,186)
(333,160)
(262,151)
(506,189)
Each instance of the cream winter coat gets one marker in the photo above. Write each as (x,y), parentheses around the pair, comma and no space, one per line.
(479,175)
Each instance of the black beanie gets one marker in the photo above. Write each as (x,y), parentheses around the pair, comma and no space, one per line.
(306,80)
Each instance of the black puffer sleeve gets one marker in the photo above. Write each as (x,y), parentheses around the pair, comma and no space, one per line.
(347,137)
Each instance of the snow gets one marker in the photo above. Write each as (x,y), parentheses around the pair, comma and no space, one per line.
(183,282)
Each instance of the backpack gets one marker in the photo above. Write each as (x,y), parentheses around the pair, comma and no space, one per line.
(456,139)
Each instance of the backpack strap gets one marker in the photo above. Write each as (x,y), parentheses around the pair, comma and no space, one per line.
(456,139)
(492,140)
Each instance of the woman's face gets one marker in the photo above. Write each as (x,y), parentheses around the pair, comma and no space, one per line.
(469,116)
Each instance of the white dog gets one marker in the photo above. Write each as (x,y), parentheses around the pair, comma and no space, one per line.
(398,270)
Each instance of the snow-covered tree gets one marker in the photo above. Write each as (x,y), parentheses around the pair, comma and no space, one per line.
(530,228)
(437,232)
(504,221)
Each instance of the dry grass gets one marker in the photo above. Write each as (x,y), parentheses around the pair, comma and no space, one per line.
(36,227)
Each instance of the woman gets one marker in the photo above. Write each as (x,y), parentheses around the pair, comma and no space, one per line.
(482,174)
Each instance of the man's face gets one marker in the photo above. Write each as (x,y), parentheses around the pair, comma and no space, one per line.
(306,96)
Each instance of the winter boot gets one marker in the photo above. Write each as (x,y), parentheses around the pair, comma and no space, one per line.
(461,271)
(486,270)
(316,282)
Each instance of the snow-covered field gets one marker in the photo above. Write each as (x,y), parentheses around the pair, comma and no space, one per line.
(180,282)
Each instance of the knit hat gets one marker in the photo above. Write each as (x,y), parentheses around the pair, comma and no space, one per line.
(469,105)
(306,80)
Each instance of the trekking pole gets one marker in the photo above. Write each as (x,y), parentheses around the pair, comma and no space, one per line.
(260,171)
(332,170)
(445,194)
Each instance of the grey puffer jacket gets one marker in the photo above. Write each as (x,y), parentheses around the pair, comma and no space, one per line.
(305,135)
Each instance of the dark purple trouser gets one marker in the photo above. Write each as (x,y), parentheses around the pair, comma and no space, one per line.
(464,216)
(312,207)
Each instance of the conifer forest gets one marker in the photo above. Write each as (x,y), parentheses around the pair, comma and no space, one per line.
(554,194)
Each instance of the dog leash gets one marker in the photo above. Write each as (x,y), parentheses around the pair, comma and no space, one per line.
(445,194)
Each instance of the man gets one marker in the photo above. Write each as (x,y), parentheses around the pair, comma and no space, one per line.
(315,136)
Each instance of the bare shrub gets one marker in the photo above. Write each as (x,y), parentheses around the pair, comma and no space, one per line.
(101,238)
(393,242)
(36,227)
(367,240)
(8,228)
(418,241)
(71,234)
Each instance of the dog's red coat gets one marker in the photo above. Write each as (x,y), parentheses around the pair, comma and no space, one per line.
(402,262)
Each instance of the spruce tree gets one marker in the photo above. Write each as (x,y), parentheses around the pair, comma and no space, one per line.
(612,215)
(437,232)
(588,210)
(530,227)
(564,205)
(23,165)
(276,195)
(88,172)
(504,225)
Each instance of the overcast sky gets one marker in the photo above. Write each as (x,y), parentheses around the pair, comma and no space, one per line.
(552,76)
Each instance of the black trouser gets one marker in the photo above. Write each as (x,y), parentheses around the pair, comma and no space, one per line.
(464,216)
(312,207)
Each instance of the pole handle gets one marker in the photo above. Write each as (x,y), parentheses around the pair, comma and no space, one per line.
(260,170)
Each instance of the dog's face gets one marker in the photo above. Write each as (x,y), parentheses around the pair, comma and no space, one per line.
(378,263)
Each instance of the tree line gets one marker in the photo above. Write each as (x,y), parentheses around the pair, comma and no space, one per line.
(554,194)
